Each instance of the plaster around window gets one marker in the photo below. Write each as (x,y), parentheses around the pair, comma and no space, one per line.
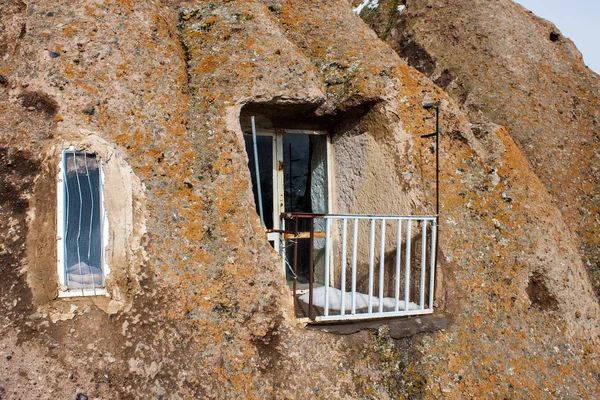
(122,234)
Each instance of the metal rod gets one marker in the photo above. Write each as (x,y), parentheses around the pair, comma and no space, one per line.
(306,215)
(343,266)
(437,191)
(295,266)
(433,263)
(327,236)
(407,268)
(437,175)
(371,265)
(429,106)
(258,188)
(354,249)
(311,270)
(423,252)
(398,254)
(381,264)
(291,180)
(437,179)
(437,160)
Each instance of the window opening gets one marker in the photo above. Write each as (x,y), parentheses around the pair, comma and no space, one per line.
(81,222)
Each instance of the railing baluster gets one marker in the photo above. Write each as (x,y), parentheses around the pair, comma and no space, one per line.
(343,268)
(311,267)
(381,264)
(295,282)
(371,265)
(407,268)
(327,240)
(423,249)
(354,248)
(398,253)
(402,282)
(432,262)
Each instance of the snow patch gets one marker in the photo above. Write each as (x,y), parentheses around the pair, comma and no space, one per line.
(362,300)
(401,8)
(373,4)
(370,4)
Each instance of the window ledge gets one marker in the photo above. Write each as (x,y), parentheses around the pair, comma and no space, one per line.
(83,293)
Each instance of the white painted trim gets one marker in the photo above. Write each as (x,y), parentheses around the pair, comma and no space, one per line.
(278,193)
(60,225)
(278,181)
(104,219)
(330,176)
(83,293)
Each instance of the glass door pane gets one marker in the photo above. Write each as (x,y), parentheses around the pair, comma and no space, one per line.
(305,190)
(296,169)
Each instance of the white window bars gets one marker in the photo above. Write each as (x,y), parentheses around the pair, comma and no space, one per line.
(81,225)
(372,266)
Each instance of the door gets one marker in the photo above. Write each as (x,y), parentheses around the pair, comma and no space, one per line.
(270,160)
(294,177)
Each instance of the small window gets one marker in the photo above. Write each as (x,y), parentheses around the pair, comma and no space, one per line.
(81,225)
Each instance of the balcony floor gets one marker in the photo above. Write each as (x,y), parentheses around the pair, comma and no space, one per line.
(400,327)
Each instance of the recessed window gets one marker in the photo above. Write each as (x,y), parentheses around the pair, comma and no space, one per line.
(81,225)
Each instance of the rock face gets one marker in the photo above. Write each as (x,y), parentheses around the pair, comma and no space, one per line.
(502,64)
(198,305)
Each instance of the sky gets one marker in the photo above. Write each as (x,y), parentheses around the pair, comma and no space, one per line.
(579,20)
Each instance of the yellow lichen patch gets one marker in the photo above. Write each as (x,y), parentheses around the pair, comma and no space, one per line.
(71,29)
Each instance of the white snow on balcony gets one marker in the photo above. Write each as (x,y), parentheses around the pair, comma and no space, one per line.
(370,4)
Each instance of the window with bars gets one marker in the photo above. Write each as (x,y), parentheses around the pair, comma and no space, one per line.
(81,223)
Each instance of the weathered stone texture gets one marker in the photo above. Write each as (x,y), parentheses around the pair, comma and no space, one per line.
(206,312)
(504,65)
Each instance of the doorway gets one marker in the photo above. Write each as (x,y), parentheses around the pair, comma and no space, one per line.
(295,177)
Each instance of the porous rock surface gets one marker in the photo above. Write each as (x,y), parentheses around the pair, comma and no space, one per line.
(502,64)
(205,311)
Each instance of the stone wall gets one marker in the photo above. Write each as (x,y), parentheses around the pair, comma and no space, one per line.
(206,312)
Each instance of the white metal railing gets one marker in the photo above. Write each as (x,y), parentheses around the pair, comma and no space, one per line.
(374,266)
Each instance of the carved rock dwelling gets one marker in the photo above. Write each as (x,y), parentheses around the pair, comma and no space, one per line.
(145,107)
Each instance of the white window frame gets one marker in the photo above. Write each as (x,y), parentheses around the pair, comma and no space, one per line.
(63,291)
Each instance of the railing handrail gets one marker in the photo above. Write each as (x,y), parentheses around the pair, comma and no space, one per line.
(292,215)
(376,216)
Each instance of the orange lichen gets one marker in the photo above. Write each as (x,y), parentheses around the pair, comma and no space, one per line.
(71,29)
